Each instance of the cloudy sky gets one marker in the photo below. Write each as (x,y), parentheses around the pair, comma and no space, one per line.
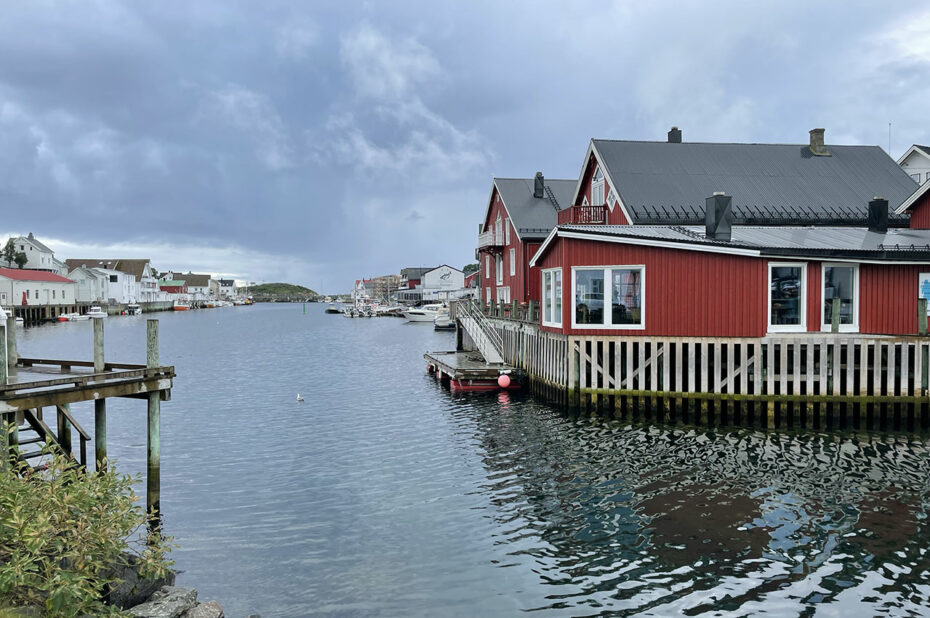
(318,142)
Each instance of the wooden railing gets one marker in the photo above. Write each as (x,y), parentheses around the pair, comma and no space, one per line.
(583,215)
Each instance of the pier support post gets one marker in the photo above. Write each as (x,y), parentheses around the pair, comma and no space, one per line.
(153,472)
(4,435)
(11,355)
(4,349)
(100,405)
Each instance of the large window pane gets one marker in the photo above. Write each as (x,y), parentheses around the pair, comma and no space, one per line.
(786,295)
(839,282)
(627,293)
(589,297)
(547,297)
(557,317)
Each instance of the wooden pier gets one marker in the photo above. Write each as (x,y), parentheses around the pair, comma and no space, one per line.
(805,381)
(467,371)
(30,386)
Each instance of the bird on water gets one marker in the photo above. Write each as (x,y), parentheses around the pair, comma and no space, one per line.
(299,398)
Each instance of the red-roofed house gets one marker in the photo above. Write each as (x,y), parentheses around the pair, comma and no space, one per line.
(36,295)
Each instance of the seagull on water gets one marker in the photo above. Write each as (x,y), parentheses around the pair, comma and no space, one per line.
(299,398)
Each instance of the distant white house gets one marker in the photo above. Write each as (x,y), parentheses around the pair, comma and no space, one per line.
(916,162)
(142,288)
(38,256)
(23,287)
(443,283)
(91,284)
(198,285)
(223,289)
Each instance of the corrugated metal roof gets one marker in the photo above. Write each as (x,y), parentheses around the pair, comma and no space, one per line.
(23,274)
(659,180)
(781,239)
(531,213)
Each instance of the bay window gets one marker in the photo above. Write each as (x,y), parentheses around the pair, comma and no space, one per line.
(609,297)
(787,297)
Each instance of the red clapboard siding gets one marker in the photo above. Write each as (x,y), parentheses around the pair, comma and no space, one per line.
(814,293)
(888,294)
(688,293)
(920,213)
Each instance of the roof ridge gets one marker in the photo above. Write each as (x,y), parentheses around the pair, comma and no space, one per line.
(684,143)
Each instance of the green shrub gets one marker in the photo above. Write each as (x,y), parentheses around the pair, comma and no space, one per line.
(62,529)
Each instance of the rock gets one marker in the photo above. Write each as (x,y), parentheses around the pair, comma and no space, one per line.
(167,602)
(210,609)
(133,589)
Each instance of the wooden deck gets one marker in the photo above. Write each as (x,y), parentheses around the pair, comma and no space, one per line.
(468,370)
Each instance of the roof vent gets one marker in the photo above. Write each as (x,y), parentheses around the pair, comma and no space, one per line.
(878,215)
(718,217)
(539,186)
(817,146)
(674,136)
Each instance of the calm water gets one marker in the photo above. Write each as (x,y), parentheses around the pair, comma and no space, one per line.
(382,494)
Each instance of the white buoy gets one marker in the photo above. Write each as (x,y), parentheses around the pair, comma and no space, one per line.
(299,398)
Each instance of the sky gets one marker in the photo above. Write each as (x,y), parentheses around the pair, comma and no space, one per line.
(320,142)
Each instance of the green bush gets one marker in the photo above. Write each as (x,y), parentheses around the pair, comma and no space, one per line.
(62,529)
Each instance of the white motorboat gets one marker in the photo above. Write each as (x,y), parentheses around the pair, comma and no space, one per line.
(426,313)
(77,317)
(443,321)
(133,309)
(96,312)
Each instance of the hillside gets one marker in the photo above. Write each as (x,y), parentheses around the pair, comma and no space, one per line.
(281,291)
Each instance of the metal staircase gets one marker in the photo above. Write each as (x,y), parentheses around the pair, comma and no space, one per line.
(484,335)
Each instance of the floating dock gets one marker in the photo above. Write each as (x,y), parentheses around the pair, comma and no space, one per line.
(467,371)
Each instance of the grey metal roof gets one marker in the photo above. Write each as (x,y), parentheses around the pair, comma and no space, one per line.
(663,182)
(534,217)
(896,243)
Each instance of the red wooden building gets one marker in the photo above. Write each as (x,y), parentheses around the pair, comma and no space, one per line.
(520,213)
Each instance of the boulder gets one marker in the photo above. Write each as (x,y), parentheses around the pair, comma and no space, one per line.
(167,602)
(210,609)
(132,589)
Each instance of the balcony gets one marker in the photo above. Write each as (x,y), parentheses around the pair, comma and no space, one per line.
(583,215)
(490,239)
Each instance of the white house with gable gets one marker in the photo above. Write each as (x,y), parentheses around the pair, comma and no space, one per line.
(38,256)
(443,283)
(916,162)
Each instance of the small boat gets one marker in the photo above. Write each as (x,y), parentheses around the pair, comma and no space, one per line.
(77,317)
(426,313)
(443,321)
(96,312)
(133,309)
(333,309)
(180,305)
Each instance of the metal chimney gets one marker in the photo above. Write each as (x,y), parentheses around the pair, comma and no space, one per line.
(718,217)
(878,215)
(674,136)
(539,186)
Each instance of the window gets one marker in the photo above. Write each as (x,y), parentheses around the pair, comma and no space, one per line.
(487,266)
(928,177)
(621,286)
(597,188)
(552,297)
(513,262)
(841,281)
(53,294)
(787,297)
(27,294)
(499,260)
(113,278)
(916,176)
(507,232)
(487,295)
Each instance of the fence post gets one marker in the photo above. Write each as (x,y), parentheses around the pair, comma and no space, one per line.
(153,472)
(11,355)
(531,312)
(835,316)
(100,405)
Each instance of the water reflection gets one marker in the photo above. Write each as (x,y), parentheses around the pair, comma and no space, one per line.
(671,520)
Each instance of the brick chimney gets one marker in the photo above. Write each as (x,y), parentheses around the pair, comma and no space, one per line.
(674,136)
(817,146)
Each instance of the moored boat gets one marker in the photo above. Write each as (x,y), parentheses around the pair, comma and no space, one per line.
(96,312)
(133,309)
(426,313)
(180,305)
(443,321)
(333,309)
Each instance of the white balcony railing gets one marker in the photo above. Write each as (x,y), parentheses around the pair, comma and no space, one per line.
(491,238)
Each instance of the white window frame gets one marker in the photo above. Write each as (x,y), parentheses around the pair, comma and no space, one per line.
(513,262)
(802,306)
(499,268)
(506,231)
(487,266)
(487,295)
(844,328)
(598,198)
(556,320)
(608,294)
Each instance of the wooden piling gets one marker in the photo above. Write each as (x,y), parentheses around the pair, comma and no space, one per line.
(100,405)
(4,431)
(153,473)
(922,316)
(4,368)
(11,355)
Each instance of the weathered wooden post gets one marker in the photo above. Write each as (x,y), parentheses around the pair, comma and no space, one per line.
(100,405)
(513,310)
(64,427)
(835,316)
(11,355)
(921,316)
(153,472)
(4,435)
(531,312)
